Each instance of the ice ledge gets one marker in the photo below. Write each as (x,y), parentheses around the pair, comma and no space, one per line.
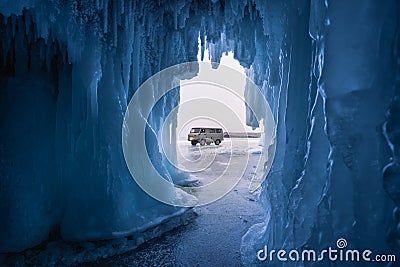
(62,253)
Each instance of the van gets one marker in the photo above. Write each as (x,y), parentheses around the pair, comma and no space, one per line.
(204,136)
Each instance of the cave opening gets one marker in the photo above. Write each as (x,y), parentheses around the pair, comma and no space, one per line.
(205,104)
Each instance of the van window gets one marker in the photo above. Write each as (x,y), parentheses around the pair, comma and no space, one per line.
(212,130)
(219,130)
(195,130)
(202,131)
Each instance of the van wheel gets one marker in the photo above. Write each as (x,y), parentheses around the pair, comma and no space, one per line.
(194,143)
(202,142)
(217,142)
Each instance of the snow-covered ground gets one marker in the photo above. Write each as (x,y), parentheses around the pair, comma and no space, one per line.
(208,163)
(214,238)
(215,170)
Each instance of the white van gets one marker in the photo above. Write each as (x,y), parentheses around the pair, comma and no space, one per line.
(205,135)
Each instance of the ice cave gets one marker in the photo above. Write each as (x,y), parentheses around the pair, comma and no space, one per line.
(329,70)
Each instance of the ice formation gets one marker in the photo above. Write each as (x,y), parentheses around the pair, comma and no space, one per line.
(330,72)
(68,70)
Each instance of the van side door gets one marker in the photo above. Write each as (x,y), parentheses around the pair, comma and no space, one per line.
(202,134)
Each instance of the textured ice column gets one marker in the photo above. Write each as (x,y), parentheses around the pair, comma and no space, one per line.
(102,201)
(357,84)
(307,146)
(288,97)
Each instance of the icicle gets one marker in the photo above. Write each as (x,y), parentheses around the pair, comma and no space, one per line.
(13,19)
(175,18)
(203,44)
(122,7)
(115,27)
(105,16)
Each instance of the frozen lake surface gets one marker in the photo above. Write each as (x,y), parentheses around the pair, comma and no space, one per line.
(215,170)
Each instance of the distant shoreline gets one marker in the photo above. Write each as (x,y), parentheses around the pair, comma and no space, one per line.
(236,135)
(241,135)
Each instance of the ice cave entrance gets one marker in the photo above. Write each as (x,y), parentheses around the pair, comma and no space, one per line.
(204,104)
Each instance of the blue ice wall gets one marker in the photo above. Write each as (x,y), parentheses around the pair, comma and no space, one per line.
(68,70)
(338,79)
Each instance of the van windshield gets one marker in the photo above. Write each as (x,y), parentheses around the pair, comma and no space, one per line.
(195,130)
